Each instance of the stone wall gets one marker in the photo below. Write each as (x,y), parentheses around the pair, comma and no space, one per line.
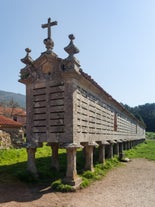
(97,119)
(11,137)
(5,140)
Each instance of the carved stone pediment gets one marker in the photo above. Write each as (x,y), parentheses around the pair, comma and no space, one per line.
(47,67)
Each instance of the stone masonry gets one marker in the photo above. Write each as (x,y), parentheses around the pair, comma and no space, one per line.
(66,108)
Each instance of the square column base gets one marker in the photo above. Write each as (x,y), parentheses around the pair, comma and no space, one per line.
(75,183)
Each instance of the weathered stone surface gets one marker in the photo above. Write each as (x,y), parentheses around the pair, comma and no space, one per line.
(66,106)
(5,140)
(71,174)
(31,161)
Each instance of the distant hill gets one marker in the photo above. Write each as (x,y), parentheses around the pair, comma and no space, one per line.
(6,96)
(145,113)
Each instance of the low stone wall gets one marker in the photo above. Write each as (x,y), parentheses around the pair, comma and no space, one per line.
(11,137)
(5,140)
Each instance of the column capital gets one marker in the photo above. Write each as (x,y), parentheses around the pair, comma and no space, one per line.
(71,145)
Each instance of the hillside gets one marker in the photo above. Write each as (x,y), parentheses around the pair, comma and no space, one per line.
(6,96)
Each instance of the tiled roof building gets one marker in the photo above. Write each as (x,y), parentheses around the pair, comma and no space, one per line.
(17,114)
(11,133)
(6,122)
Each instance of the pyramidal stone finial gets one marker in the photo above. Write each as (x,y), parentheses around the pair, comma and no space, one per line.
(71,49)
(27,59)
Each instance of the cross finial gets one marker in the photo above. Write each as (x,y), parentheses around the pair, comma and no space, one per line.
(48,26)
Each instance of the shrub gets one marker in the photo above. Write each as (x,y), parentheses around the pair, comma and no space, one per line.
(88,174)
(59,186)
(85,183)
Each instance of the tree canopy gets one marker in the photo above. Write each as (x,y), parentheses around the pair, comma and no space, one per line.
(145,113)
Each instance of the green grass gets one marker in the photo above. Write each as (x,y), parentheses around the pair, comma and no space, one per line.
(100,170)
(13,163)
(88,177)
(145,150)
(150,135)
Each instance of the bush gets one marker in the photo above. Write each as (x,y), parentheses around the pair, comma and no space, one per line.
(59,186)
(150,135)
(85,183)
(88,174)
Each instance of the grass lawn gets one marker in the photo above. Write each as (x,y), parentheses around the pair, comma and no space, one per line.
(13,163)
(144,150)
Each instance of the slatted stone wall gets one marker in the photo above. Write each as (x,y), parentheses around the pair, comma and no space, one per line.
(47,108)
(98,120)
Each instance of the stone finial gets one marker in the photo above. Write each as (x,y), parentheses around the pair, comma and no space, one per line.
(27,59)
(71,63)
(48,41)
(71,49)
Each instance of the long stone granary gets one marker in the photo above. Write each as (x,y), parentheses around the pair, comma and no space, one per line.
(67,108)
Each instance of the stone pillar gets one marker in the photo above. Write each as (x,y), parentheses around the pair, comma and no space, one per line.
(124,144)
(71,174)
(116,148)
(134,143)
(55,156)
(102,153)
(121,150)
(89,156)
(31,166)
(110,150)
(128,144)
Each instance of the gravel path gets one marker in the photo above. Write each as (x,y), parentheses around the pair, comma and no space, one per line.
(132,185)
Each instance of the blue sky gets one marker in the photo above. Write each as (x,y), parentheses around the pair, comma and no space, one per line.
(116,39)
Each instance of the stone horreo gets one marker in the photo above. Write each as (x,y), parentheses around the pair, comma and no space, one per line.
(67,109)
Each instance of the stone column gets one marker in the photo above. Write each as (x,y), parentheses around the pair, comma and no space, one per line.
(71,174)
(116,148)
(31,166)
(128,144)
(124,144)
(121,150)
(55,156)
(110,150)
(133,143)
(102,153)
(89,156)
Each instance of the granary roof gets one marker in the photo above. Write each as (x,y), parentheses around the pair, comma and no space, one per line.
(71,49)
(111,99)
(8,123)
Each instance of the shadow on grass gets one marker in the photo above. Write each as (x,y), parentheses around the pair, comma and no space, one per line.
(17,184)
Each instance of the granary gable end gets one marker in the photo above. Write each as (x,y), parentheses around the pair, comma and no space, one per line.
(66,108)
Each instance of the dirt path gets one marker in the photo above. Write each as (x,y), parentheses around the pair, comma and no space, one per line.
(132,185)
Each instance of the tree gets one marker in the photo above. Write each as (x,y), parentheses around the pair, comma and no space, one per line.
(8,107)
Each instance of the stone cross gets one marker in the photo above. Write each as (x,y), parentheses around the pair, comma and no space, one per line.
(48,26)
